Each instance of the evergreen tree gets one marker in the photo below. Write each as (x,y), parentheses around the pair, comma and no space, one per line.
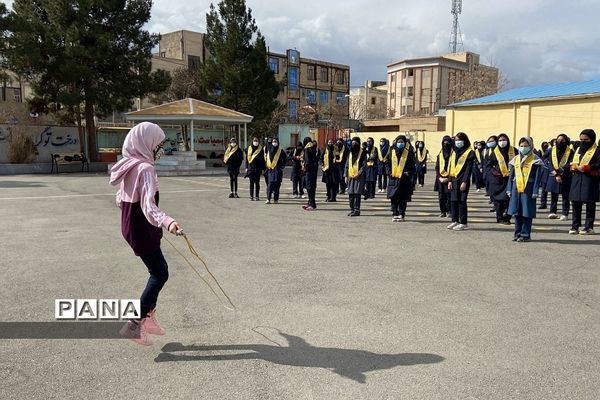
(237,72)
(88,57)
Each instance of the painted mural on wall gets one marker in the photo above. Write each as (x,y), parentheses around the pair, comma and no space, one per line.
(47,140)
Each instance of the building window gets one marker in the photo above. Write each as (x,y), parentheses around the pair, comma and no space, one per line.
(324,97)
(409,91)
(392,95)
(311,97)
(406,110)
(274,64)
(340,79)
(404,73)
(411,72)
(312,76)
(293,109)
(17,95)
(163,54)
(425,92)
(293,78)
(194,63)
(324,74)
(340,97)
(293,57)
(425,110)
(426,74)
(393,78)
(373,101)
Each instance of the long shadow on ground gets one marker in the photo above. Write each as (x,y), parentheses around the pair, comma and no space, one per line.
(349,363)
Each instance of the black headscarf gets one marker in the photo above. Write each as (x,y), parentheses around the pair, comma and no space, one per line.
(298,150)
(462,136)
(252,143)
(563,146)
(447,148)
(585,146)
(396,149)
(273,149)
(504,151)
(355,149)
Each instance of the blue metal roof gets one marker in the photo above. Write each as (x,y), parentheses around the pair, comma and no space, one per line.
(544,92)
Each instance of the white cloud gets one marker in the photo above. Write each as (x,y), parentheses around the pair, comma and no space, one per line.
(532,41)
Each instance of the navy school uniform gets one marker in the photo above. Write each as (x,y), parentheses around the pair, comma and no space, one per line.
(371,172)
(458,198)
(382,175)
(523,205)
(255,169)
(297,174)
(356,184)
(497,182)
(234,162)
(545,174)
(400,190)
(311,171)
(552,186)
(584,189)
(442,188)
(275,175)
(330,175)
(478,180)
(340,163)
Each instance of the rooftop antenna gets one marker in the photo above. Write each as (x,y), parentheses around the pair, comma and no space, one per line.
(456,36)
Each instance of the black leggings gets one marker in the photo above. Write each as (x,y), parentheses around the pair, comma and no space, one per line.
(459,211)
(590,215)
(354,202)
(254,185)
(159,274)
(554,203)
(421,178)
(233,182)
(399,207)
(444,198)
(298,185)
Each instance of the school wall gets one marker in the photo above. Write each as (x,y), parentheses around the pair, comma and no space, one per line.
(47,139)
(288,131)
(542,120)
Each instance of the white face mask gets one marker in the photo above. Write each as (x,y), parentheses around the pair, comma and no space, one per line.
(502,143)
(255,143)
(275,144)
(233,144)
(459,144)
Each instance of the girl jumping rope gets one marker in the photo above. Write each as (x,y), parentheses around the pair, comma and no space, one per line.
(142,221)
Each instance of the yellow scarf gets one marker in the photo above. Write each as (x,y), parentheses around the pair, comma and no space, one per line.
(340,155)
(370,163)
(252,154)
(229,152)
(384,158)
(422,154)
(457,166)
(326,159)
(442,161)
(522,171)
(563,160)
(273,164)
(398,167)
(587,157)
(478,155)
(352,165)
(502,162)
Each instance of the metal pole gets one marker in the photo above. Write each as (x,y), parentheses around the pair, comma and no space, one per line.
(245,136)
(192,133)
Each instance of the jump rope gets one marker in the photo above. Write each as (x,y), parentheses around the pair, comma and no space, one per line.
(227,304)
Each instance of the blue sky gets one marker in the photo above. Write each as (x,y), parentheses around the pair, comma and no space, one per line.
(531,41)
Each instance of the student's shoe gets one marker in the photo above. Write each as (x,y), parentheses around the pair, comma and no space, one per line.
(460,227)
(395,218)
(543,208)
(135,331)
(276,201)
(268,202)
(236,196)
(552,216)
(452,225)
(504,222)
(573,231)
(420,185)
(492,209)
(303,196)
(478,190)
(151,324)
(355,214)
(564,217)
(350,213)
(516,238)
(523,240)
(231,196)
(443,215)
(257,199)
(251,198)
(310,208)
(586,232)
(401,219)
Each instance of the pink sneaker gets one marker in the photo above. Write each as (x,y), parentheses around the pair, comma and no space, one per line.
(151,324)
(136,331)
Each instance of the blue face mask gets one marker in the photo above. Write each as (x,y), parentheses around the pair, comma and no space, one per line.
(400,145)
(491,145)
(524,150)
(459,144)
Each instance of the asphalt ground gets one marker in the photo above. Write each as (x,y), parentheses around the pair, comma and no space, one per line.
(328,306)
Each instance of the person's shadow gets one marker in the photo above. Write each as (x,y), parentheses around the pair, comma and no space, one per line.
(352,364)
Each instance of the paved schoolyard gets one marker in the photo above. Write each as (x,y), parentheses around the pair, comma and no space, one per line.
(328,307)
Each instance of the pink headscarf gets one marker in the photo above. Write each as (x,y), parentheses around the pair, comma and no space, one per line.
(139,146)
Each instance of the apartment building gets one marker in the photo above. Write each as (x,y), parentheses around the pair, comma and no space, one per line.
(314,87)
(423,86)
(369,101)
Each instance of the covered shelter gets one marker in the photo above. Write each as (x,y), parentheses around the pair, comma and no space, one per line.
(189,112)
